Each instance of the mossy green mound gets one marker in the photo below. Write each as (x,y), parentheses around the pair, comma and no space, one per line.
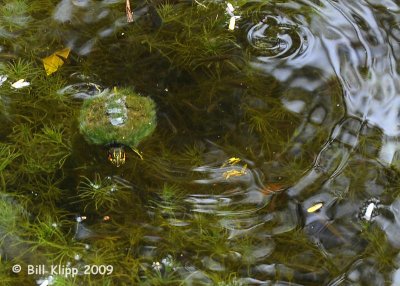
(120,116)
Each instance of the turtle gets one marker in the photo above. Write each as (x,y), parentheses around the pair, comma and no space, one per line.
(117,119)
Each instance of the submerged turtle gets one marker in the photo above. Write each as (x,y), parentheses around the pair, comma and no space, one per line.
(117,119)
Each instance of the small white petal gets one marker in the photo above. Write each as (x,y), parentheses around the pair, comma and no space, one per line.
(368,212)
(230,7)
(232,23)
(20,83)
(3,78)
(315,208)
(45,283)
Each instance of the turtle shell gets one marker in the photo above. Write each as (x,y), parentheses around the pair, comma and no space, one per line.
(120,116)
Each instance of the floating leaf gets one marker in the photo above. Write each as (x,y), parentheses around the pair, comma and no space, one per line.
(53,62)
(235,173)
(231,161)
(315,208)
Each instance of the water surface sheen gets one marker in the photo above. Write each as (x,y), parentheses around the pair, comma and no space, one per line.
(225,192)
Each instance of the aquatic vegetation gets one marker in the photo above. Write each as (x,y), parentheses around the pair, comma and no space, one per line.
(160,274)
(378,247)
(203,40)
(13,218)
(13,16)
(231,280)
(46,151)
(170,202)
(47,237)
(282,91)
(193,154)
(20,69)
(7,155)
(102,193)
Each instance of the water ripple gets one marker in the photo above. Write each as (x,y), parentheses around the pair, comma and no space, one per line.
(277,37)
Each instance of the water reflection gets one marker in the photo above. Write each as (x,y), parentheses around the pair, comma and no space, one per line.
(348,41)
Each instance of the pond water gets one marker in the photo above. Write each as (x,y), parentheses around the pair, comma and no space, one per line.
(275,160)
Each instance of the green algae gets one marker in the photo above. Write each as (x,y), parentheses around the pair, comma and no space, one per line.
(96,122)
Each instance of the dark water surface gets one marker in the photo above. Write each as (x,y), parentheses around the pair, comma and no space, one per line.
(275,160)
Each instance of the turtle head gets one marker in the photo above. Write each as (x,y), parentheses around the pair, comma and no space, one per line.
(116,155)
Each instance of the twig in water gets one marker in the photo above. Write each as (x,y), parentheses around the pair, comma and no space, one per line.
(129,17)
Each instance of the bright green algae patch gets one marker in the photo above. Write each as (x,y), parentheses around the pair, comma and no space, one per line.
(120,116)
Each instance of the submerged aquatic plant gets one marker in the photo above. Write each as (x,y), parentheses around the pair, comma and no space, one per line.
(379,247)
(46,151)
(171,199)
(13,218)
(13,16)
(7,155)
(103,193)
(20,69)
(48,238)
(203,41)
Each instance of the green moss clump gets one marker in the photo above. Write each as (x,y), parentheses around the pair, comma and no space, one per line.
(121,116)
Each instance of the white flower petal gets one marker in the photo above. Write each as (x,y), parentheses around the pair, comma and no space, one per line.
(3,78)
(230,7)
(20,84)
(369,211)
(232,23)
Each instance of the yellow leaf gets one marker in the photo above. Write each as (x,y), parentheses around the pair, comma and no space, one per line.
(235,173)
(315,208)
(53,62)
(230,161)
(233,160)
